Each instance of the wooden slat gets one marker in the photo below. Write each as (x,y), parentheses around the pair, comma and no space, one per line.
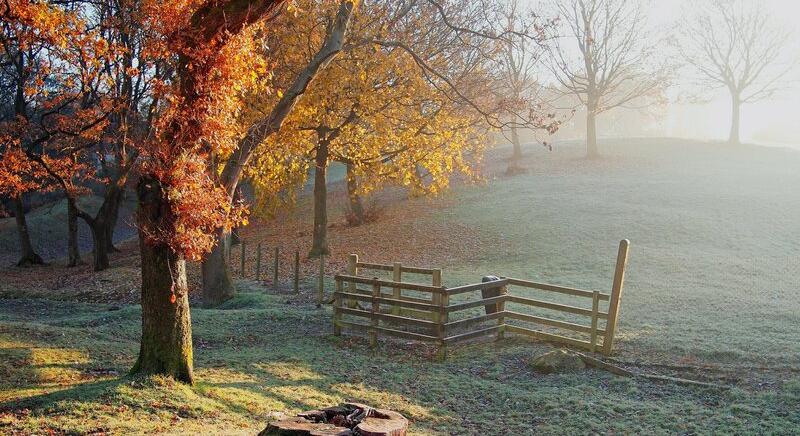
(385,267)
(473,320)
(470,335)
(390,332)
(551,322)
(555,288)
(377,266)
(417,270)
(389,284)
(477,287)
(554,306)
(391,301)
(477,303)
(387,317)
(408,335)
(548,336)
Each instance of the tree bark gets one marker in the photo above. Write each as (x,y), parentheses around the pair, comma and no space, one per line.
(217,284)
(514,166)
(736,104)
(320,245)
(110,212)
(166,346)
(73,251)
(100,252)
(591,133)
(356,205)
(27,255)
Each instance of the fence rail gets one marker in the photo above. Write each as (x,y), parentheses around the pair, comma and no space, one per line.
(430,315)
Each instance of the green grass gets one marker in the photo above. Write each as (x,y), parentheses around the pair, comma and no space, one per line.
(261,355)
(712,281)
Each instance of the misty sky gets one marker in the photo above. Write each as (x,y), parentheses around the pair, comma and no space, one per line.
(769,120)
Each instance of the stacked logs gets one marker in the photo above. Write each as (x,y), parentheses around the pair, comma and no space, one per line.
(348,419)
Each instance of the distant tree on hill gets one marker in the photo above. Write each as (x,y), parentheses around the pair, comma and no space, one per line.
(736,46)
(606,59)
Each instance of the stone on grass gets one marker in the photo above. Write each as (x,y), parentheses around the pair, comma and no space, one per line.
(558,361)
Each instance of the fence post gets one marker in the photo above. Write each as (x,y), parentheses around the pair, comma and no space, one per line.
(242,271)
(276,266)
(397,276)
(321,284)
(376,308)
(441,320)
(337,303)
(595,310)
(501,307)
(352,269)
(258,261)
(436,280)
(616,295)
(297,272)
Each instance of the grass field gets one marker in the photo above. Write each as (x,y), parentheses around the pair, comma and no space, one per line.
(711,294)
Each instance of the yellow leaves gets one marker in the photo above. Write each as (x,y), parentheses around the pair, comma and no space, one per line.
(279,93)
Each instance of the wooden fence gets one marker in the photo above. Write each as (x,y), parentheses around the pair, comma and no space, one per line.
(431,318)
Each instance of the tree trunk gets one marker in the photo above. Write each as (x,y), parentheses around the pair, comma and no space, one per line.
(320,202)
(166,346)
(73,251)
(110,210)
(100,252)
(356,206)
(217,284)
(591,132)
(514,166)
(27,255)
(735,117)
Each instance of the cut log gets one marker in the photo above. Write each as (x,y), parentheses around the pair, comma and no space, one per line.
(346,419)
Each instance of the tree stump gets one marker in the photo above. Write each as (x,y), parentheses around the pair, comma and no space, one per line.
(348,419)
(489,293)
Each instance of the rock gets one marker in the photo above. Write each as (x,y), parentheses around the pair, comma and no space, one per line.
(558,361)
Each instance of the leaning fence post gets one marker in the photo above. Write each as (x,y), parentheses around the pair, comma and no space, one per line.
(337,303)
(397,271)
(501,308)
(242,271)
(258,261)
(276,266)
(321,284)
(616,296)
(296,272)
(352,269)
(376,308)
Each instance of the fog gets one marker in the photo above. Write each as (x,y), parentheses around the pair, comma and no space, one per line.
(686,114)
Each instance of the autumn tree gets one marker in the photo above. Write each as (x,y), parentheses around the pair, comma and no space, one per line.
(736,46)
(606,59)
(217,284)
(59,109)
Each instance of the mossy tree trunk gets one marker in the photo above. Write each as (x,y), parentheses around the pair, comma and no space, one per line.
(166,346)
(217,284)
(356,205)
(320,245)
(27,255)
(73,251)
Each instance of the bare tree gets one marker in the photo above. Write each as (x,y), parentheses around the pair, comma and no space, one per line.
(613,64)
(734,45)
(519,61)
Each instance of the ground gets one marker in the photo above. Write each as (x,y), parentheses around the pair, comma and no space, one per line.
(711,295)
